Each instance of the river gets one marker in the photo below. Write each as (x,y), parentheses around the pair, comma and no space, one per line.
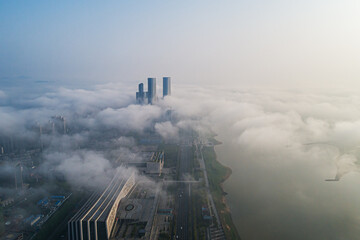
(281,194)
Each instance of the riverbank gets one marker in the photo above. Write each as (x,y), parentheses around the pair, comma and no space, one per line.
(217,175)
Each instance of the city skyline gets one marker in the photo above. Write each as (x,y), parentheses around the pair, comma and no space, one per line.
(151,95)
(284,44)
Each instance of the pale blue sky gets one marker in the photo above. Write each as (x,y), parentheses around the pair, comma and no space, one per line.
(276,43)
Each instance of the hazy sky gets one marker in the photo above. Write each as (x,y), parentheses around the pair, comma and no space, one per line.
(258,42)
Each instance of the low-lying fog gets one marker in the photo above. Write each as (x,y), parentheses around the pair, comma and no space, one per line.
(280,145)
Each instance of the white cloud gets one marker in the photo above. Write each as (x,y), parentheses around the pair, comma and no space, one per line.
(167,130)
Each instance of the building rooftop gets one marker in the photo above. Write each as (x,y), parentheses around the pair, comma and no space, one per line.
(100,203)
(157,157)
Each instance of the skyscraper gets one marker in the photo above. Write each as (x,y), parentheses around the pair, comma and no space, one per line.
(140,95)
(19,176)
(166,86)
(151,90)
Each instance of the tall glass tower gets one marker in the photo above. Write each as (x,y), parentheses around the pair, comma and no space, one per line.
(166,86)
(140,95)
(151,90)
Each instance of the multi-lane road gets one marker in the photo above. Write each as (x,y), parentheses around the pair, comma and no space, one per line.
(183,193)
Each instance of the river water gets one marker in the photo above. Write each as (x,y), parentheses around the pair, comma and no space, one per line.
(281,194)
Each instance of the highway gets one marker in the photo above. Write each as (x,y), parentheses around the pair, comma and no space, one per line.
(183,194)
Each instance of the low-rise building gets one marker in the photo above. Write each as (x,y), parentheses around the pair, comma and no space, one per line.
(156,163)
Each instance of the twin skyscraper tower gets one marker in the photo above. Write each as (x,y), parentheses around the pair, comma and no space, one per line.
(150,95)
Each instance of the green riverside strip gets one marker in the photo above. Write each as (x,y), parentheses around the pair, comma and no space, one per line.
(217,174)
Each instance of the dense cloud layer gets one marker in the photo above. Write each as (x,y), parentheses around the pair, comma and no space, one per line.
(270,119)
(281,145)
